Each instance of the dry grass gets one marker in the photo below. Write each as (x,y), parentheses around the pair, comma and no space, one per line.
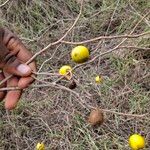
(58,117)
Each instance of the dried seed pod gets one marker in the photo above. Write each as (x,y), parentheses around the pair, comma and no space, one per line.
(72,84)
(96,117)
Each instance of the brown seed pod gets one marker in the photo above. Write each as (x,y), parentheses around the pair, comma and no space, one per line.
(72,84)
(96,117)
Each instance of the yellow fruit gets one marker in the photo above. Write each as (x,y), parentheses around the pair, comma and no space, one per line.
(98,79)
(80,54)
(64,70)
(136,142)
(40,146)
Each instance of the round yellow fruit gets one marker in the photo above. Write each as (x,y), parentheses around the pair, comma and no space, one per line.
(136,142)
(64,70)
(80,54)
(98,79)
(40,146)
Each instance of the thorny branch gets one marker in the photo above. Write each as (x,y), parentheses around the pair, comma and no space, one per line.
(61,40)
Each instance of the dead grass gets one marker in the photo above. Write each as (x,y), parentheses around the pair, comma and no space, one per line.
(57,117)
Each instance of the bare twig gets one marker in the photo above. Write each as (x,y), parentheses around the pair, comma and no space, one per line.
(79,101)
(51,44)
(107,38)
(123,114)
(47,74)
(134,47)
(4,3)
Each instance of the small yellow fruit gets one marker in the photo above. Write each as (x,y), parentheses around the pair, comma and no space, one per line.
(80,54)
(64,70)
(136,142)
(98,79)
(40,146)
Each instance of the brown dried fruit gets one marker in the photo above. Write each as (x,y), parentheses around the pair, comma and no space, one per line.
(96,117)
(72,84)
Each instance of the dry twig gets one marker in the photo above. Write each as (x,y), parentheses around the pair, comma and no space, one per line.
(106,38)
(51,44)
(4,3)
(123,114)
